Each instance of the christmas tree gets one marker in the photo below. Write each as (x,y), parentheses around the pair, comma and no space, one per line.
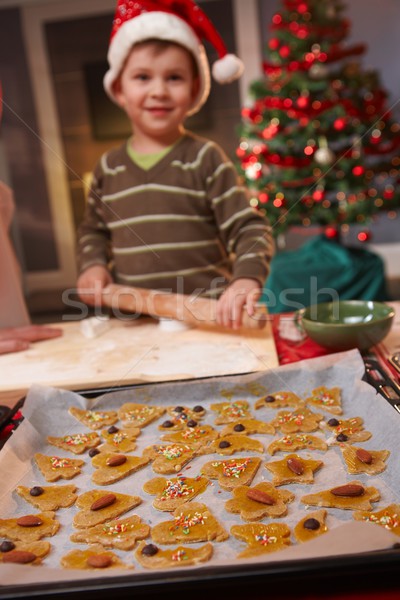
(318,143)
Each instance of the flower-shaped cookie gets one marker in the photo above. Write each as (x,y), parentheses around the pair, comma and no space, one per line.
(293,469)
(262,539)
(262,500)
(192,522)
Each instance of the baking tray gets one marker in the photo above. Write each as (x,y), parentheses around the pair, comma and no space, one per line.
(339,574)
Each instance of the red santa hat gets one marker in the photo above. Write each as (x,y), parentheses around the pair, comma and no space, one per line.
(179,21)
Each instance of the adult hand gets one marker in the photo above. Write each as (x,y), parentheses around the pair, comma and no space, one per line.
(15,339)
(91,284)
(241,294)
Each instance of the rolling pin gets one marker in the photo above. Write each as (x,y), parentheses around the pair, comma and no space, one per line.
(189,309)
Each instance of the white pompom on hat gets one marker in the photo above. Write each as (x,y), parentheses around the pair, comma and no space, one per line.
(179,21)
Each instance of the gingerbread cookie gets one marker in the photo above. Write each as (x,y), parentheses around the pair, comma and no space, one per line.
(76,442)
(111,467)
(139,415)
(192,522)
(117,533)
(328,399)
(262,500)
(301,420)
(30,528)
(152,557)
(192,435)
(172,493)
(54,468)
(279,400)
(262,539)
(349,496)
(94,557)
(347,430)
(359,460)
(182,416)
(22,553)
(388,517)
(98,506)
(248,427)
(169,458)
(311,526)
(297,441)
(119,440)
(232,443)
(293,469)
(48,498)
(229,412)
(233,472)
(94,419)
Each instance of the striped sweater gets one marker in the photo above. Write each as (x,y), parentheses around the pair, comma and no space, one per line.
(184,225)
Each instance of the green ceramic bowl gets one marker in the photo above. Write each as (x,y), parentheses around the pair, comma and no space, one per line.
(346,324)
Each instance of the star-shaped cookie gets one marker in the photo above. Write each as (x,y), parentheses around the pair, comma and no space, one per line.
(293,469)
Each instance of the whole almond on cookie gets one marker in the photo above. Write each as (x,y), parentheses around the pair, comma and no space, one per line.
(103,502)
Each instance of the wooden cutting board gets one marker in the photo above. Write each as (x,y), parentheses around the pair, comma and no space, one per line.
(133,352)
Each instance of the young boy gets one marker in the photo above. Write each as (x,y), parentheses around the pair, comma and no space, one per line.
(165,209)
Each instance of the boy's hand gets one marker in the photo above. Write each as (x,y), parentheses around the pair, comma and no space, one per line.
(15,339)
(91,283)
(242,293)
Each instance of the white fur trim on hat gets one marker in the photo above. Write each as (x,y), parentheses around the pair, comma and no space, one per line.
(227,69)
(162,26)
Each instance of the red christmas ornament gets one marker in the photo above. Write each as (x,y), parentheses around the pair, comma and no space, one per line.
(273,43)
(331,232)
(339,124)
(318,195)
(363,236)
(284,51)
(302,101)
(388,194)
(358,170)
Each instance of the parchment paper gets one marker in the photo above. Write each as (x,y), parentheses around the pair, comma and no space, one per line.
(45,412)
